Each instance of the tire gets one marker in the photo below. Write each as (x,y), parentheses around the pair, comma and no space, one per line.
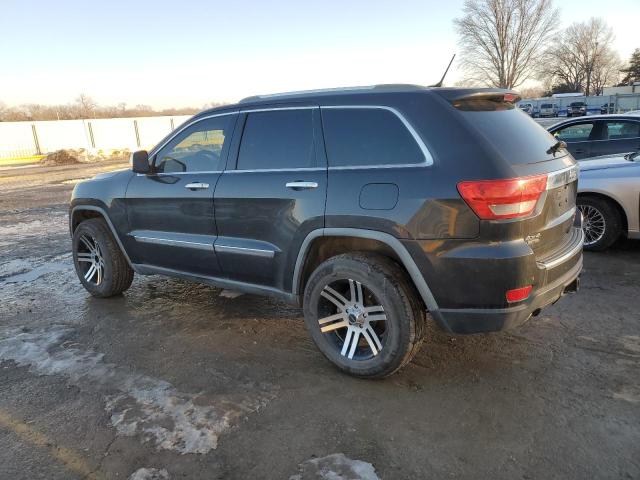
(353,340)
(95,248)
(602,224)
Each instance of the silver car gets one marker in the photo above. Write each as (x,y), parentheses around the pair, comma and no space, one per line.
(609,198)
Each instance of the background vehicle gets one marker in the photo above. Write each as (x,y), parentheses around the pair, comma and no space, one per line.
(608,195)
(367,206)
(608,108)
(599,135)
(576,109)
(548,110)
(526,108)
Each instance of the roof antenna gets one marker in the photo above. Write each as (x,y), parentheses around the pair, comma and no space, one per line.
(439,84)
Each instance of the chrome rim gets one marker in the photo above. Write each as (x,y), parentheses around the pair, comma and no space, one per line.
(90,260)
(593,224)
(353,319)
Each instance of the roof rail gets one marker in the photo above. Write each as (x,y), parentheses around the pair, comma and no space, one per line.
(304,92)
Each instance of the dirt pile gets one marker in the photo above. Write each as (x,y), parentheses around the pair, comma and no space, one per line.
(71,157)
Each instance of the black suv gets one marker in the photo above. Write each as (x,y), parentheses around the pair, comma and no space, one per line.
(577,109)
(369,207)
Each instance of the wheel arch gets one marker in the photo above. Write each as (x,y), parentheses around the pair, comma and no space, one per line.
(379,241)
(80,213)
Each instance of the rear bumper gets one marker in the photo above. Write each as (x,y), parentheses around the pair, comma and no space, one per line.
(470,320)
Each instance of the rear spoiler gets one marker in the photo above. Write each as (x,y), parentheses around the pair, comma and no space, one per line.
(480,99)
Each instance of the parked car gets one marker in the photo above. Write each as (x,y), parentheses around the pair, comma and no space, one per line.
(368,207)
(608,196)
(576,109)
(608,108)
(548,110)
(599,135)
(526,108)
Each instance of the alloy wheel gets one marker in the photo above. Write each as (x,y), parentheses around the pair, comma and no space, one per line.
(594,224)
(90,260)
(353,319)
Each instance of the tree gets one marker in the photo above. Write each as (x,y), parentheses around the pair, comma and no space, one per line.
(582,58)
(632,72)
(503,41)
(86,105)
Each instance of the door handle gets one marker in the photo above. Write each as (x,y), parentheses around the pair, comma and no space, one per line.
(301,185)
(197,186)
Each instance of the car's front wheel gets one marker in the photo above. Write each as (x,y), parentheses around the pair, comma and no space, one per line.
(601,222)
(99,263)
(364,314)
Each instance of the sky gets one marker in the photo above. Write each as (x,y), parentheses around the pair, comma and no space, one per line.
(192,52)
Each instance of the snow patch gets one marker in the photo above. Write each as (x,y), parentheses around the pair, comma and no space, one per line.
(149,474)
(335,467)
(145,406)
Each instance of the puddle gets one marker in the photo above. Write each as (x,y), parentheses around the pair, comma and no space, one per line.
(17,271)
(143,405)
(149,474)
(335,467)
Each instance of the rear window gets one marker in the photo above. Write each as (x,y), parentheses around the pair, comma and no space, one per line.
(546,105)
(513,134)
(368,136)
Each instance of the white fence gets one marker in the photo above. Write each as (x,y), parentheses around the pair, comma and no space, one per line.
(28,139)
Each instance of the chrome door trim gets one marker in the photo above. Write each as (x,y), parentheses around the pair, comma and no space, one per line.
(173,242)
(256,252)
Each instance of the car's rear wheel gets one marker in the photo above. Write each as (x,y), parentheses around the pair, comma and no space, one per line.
(100,265)
(601,222)
(363,314)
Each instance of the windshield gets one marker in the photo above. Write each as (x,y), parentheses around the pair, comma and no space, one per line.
(577,104)
(546,105)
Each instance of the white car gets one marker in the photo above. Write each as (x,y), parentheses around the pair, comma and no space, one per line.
(609,198)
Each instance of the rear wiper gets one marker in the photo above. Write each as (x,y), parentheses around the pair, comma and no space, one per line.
(556,146)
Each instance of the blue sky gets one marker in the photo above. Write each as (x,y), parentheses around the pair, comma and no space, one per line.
(191,52)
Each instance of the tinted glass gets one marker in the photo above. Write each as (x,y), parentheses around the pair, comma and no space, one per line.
(196,149)
(621,130)
(368,136)
(514,135)
(277,139)
(546,105)
(575,133)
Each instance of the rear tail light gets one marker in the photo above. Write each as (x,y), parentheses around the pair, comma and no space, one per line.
(503,199)
(518,294)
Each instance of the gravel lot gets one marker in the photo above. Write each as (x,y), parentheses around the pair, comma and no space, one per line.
(178,380)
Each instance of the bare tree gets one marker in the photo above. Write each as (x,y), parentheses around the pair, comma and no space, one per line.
(86,105)
(582,58)
(503,41)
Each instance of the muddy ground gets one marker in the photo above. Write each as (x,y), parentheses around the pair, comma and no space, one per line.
(176,380)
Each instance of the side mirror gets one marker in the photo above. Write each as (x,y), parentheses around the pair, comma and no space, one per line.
(140,162)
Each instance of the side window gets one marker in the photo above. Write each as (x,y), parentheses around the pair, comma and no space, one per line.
(279,139)
(368,136)
(575,133)
(621,129)
(196,149)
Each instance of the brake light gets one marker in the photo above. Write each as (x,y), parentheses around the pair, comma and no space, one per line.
(518,294)
(503,199)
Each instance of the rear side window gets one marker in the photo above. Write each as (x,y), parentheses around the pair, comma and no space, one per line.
(575,133)
(368,136)
(620,130)
(278,139)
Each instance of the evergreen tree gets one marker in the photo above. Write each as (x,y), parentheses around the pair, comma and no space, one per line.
(632,72)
